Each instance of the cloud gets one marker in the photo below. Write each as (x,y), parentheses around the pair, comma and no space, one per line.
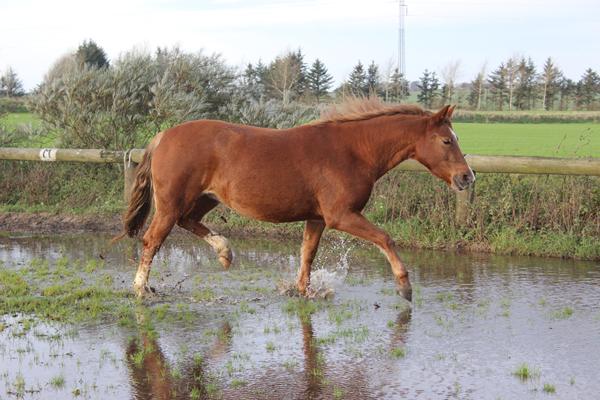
(37,32)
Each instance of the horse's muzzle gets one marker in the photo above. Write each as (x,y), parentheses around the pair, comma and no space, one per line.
(463,180)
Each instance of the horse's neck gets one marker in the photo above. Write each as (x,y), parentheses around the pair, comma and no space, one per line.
(385,142)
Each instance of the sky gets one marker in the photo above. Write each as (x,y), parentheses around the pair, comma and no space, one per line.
(476,33)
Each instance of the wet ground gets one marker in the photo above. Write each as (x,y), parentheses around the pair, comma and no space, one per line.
(480,326)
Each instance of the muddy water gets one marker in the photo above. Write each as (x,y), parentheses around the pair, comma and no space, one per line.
(229,334)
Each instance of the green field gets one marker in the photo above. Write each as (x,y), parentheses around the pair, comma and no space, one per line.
(17,120)
(526,139)
(549,140)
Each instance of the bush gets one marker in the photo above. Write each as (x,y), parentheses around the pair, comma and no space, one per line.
(270,114)
(13,105)
(122,106)
(61,187)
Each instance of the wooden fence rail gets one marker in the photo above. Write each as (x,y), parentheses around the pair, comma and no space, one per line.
(479,164)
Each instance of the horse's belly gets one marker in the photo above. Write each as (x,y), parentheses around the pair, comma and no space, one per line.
(264,205)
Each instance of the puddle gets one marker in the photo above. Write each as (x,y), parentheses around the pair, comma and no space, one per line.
(211,333)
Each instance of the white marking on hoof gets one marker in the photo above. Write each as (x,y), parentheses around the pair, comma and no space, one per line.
(220,245)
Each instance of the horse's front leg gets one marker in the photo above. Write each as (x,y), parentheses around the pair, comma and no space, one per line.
(356,224)
(310,243)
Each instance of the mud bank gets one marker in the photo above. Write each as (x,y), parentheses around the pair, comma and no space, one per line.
(111,223)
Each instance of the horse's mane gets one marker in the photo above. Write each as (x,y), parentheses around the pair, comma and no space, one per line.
(362,108)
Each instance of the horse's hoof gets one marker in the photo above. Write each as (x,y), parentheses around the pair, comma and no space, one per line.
(144,291)
(225,261)
(302,289)
(406,292)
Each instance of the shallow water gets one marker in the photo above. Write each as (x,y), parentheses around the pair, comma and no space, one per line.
(474,320)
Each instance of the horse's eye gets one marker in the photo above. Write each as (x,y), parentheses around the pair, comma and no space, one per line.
(447,141)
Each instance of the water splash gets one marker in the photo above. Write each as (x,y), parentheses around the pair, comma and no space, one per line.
(323,280)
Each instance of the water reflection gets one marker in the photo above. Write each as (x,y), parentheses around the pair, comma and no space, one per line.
(400,330)
(153,377)
(478,317)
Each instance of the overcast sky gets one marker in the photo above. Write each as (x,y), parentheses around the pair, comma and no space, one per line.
(33,33)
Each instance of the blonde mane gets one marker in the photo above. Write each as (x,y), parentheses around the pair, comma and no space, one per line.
(361,108)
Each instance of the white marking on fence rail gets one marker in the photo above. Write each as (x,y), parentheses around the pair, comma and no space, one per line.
(48,154)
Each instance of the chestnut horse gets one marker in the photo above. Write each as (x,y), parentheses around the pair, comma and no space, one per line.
(322,173)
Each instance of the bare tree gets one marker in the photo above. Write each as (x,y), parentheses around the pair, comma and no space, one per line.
(388,70)
(512,70)
(477,88)
(449,73)
(283,75)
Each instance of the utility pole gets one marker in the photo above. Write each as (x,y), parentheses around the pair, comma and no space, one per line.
(401,65)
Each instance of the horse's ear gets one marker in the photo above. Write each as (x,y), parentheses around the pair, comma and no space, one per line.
(450,112)
(441,116)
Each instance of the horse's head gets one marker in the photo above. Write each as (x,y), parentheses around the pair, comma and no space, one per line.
(438,150)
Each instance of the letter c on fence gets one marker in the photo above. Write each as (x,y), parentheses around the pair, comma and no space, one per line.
(48,154)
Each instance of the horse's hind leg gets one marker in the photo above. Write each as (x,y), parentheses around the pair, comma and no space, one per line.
(161,225)
(191,222)
(310,243)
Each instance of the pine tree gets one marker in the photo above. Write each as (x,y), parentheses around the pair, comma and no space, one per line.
(357,83)
(398,87)
(588,89)
(429,87)
(373,80)
(499,87)
(262,72)
(252,82)
(476,93)
(10,84)
(550,84)
(567,90)
(319,81)
(447,93)
(525,92)
(301,85)
(92,55)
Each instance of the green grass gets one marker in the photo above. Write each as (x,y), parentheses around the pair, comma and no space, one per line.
(398,352)
(547,140)
(15,120)
(549,388)
(58,381)
(563,313)
(31,125)
(56,294)
(526,116)
(524,372)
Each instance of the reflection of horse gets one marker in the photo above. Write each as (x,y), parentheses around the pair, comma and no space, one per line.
(152,376)
(322,173)
(318,377)
(400,333)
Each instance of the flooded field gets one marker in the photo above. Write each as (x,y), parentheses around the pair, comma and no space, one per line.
(480,326)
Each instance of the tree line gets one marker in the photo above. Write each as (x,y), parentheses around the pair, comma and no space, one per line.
(170,84)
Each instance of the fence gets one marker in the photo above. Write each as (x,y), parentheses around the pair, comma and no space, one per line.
(479,164)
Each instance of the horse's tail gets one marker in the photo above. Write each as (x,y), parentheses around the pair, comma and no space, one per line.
(140,201)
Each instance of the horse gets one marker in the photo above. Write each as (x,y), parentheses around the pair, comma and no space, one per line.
(321,172)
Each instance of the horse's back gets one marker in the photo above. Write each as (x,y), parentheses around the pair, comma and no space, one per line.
(261,173)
